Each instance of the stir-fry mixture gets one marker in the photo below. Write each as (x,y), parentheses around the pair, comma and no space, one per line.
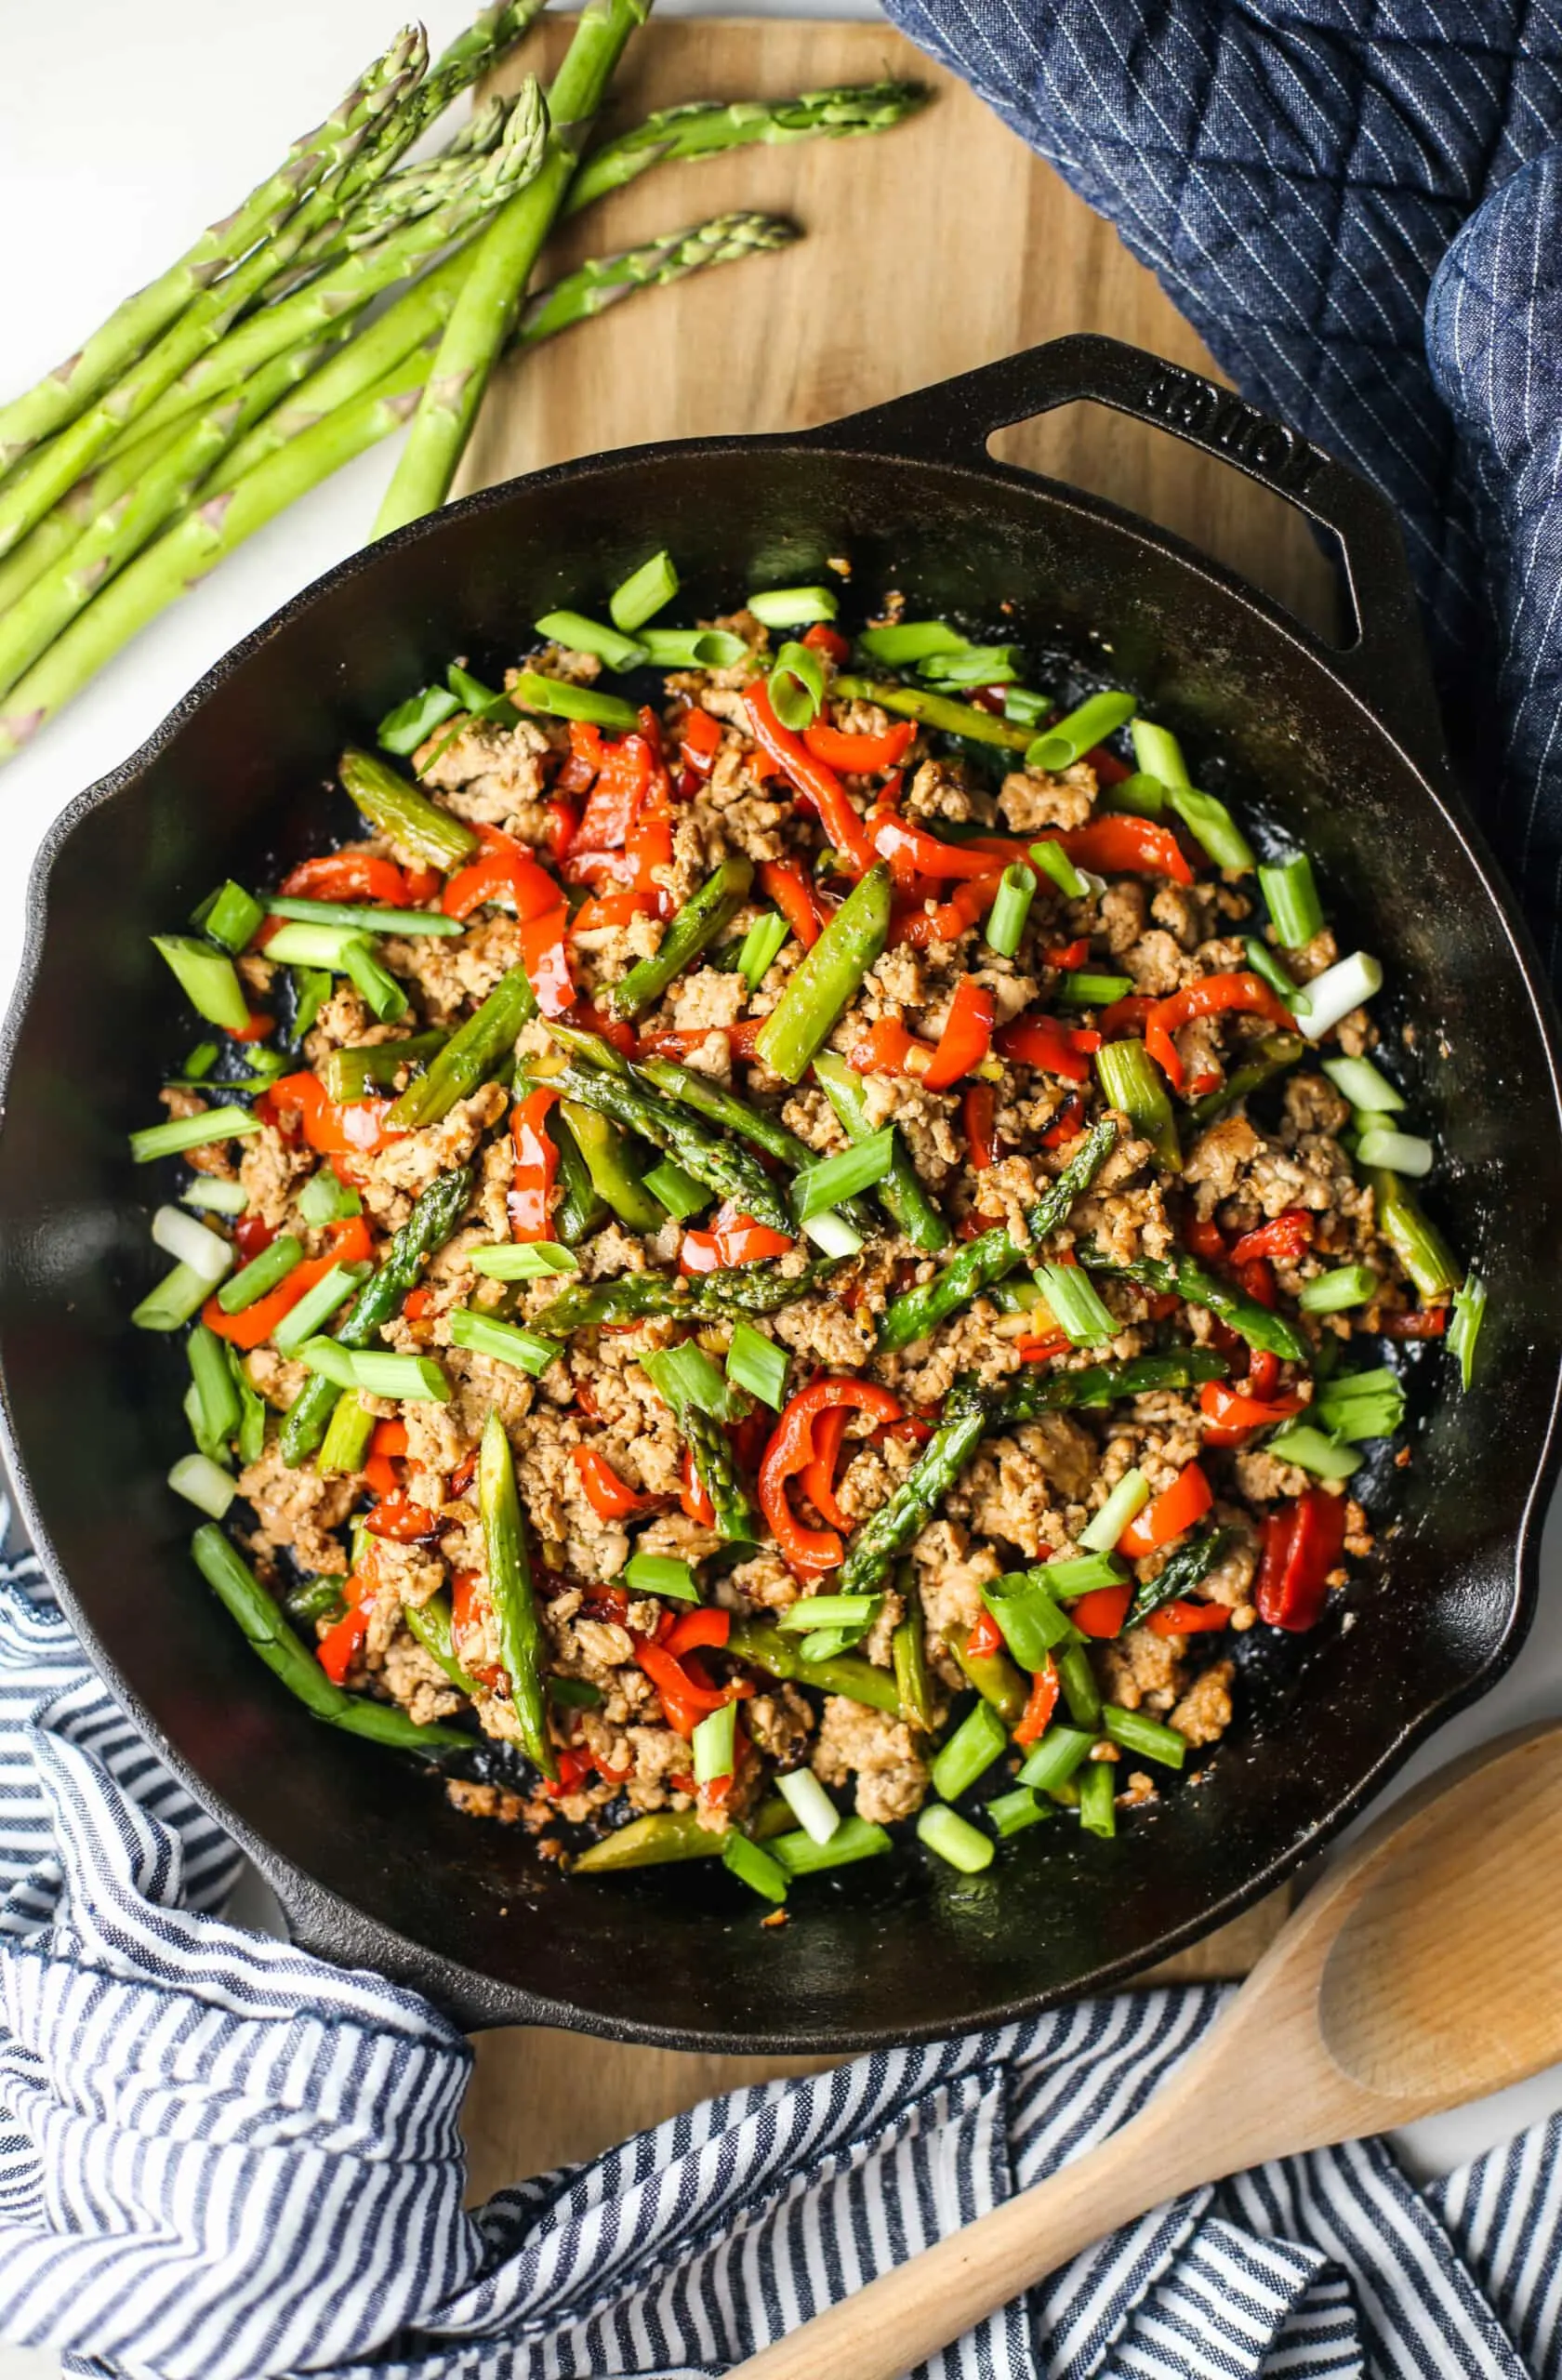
(806,1252)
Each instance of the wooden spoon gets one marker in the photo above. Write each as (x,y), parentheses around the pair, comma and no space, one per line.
(1365,2013)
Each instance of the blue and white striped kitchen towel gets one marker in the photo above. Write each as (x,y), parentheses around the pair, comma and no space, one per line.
(221,2160)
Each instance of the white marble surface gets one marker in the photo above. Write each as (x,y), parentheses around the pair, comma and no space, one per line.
(116,143)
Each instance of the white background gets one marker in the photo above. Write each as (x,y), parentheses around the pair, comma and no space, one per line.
(122,130)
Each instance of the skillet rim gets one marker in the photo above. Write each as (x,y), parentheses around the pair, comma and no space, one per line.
(320,1920)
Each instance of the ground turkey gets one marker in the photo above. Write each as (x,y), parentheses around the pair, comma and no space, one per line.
(891,1779)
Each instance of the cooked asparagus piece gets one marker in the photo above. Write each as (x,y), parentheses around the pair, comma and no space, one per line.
(666,1835)
(750,1289)
(767,1648)
(476,1050)
(353,1073)
(936,710)
(509,1591)
(1180,1277)
(697,925)
(710,1157)
(828,978)
(1184,1569)
(900,1193)
(735,1115)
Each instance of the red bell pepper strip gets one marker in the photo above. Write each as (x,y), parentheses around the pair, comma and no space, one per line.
(1210,996)
(861,756)
(506,867)
(701,741)
(1108,769)
(559,833)
(784,882)
(1264,1374)
(735,1239)
(985,1638)
(623,779)
(398,1517)
(585,758)
(695,1497)
(608,1496)
(379,1475)
(616,1031)
(545,956)
(338,1647)
(692,1629)
(810,778)
(966,1037)
(823,638)
(1234,1415)
(389,1439)
(968,902)
(687,1695)
(351,1244)
(1187,1619)
(1042,1350)
(348,875)
(537,1164)
(1067,955)
(1063,1049)
(1175,1509)
(251,1234)
(415,1304)
(912,850)
(1302,1545)
(299,1102)
(1102,1612)
(1124,846)
(818,1476)
(741,1038)
(1425,1322)
(608,909)
(1068,1124)
(1126,1015)
(1206,1239)
(254,1028)
(1039,1706)
(1281,1241)
(979,1115)
(793,1449)
(888,1047)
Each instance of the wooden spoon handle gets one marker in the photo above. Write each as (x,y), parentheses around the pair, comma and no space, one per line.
(898,2321)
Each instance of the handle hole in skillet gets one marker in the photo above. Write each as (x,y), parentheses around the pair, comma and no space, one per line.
(1219,510)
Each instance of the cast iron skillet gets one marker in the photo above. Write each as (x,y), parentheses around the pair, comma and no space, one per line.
(370,1863)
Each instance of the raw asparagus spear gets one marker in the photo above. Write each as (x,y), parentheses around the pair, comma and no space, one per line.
(1180,1277)
(236,1586)
(603,280)
(710,1157)
(988,1259)
(697,925)
(501,265)
(63,393)
(430,1224)
(509,1591)
(710,127)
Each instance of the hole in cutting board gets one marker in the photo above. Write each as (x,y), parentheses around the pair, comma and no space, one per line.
(1213,507)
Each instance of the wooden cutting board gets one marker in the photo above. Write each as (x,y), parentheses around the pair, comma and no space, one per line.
(930,249)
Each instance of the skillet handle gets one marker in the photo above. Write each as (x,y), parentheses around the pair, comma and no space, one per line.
(1385,664)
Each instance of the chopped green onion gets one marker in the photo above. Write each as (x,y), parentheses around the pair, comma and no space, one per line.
(950,1837)
(1054,862)
(1360,1081)
(675,1190)
(384,997)
(302,944)
(577,634)
(1030,1620)
(203,1484)
(834,1178)
(1347,1285)
(693,649)
(1006,918)
(686,1375)
(1320,1005)
(904,640)
(810,1804)
(661,1574)
(793,607)
(1012,1813)
(230,916)
(1129,1497)
(824,1643)
(1025,707)
(832,1235)
(1098,1811)
(181,1236)
(1132,1082)
(1267,968)
(854,1839)
(361,917)
(645,591)
(1055,1757)
(1069,738)
(1401,1152)
(412,722)
(750,1864)
(559,700)
(316,1306)
(760,946)
(262,1273)
(218,1197)
(312,988)
(797,686)
(979,665)
(327,1198)
(1079,1689)
(1081,1574)
(1147,1737)
(201,1061)
(1291,897)
(1085,990)
(345,1447)
(1310,1450)
(1360,1405)
(829,1611)
(208,978)
(178,1295)
(1418,1244)
(484,702)
(266,1063)
(978,1740)
(1158,753)
(215,1392)
(524,1259)
(1076,1305)
(1141,796)
(1213,827)
(190,1132)
(1469,1309)
(573,1693)
(506,1342)
(756,1364)
(715,1744)
(412,1380)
